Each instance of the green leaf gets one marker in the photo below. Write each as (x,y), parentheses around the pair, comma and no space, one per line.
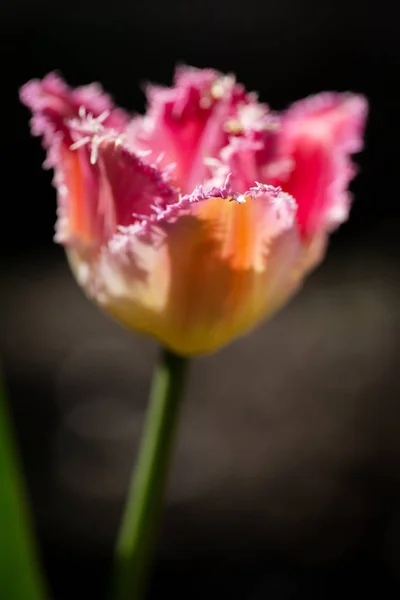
(20,577)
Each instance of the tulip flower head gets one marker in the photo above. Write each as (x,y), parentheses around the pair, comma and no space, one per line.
(199,219)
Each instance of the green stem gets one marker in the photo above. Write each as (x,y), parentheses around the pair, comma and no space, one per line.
(20,577)
(145,496)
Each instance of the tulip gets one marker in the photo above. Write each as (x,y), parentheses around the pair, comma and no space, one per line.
(191,224)
(198,220)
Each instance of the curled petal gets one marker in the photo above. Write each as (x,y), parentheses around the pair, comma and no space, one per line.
(101,183)
(116,190)
(318,136)
(52,102)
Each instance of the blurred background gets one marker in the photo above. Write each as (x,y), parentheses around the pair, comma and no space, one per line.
(286,479)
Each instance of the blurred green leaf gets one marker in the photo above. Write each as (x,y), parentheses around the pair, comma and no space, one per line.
(20,577)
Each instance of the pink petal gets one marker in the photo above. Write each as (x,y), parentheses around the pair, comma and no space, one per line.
(252,133)
(185,123)
(101,183)
(318,136)
(116,190)
(52,102)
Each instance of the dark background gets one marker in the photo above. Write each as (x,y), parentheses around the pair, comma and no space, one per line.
(287,471)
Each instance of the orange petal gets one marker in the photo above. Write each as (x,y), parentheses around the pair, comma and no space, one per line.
(214,273)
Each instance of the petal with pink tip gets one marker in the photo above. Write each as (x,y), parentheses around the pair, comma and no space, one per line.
(204,270)
(318,136)
(116,190)
(101,183)
(52,102)
(185,124)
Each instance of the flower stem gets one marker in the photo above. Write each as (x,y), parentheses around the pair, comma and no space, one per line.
(20,576)
(145,496)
